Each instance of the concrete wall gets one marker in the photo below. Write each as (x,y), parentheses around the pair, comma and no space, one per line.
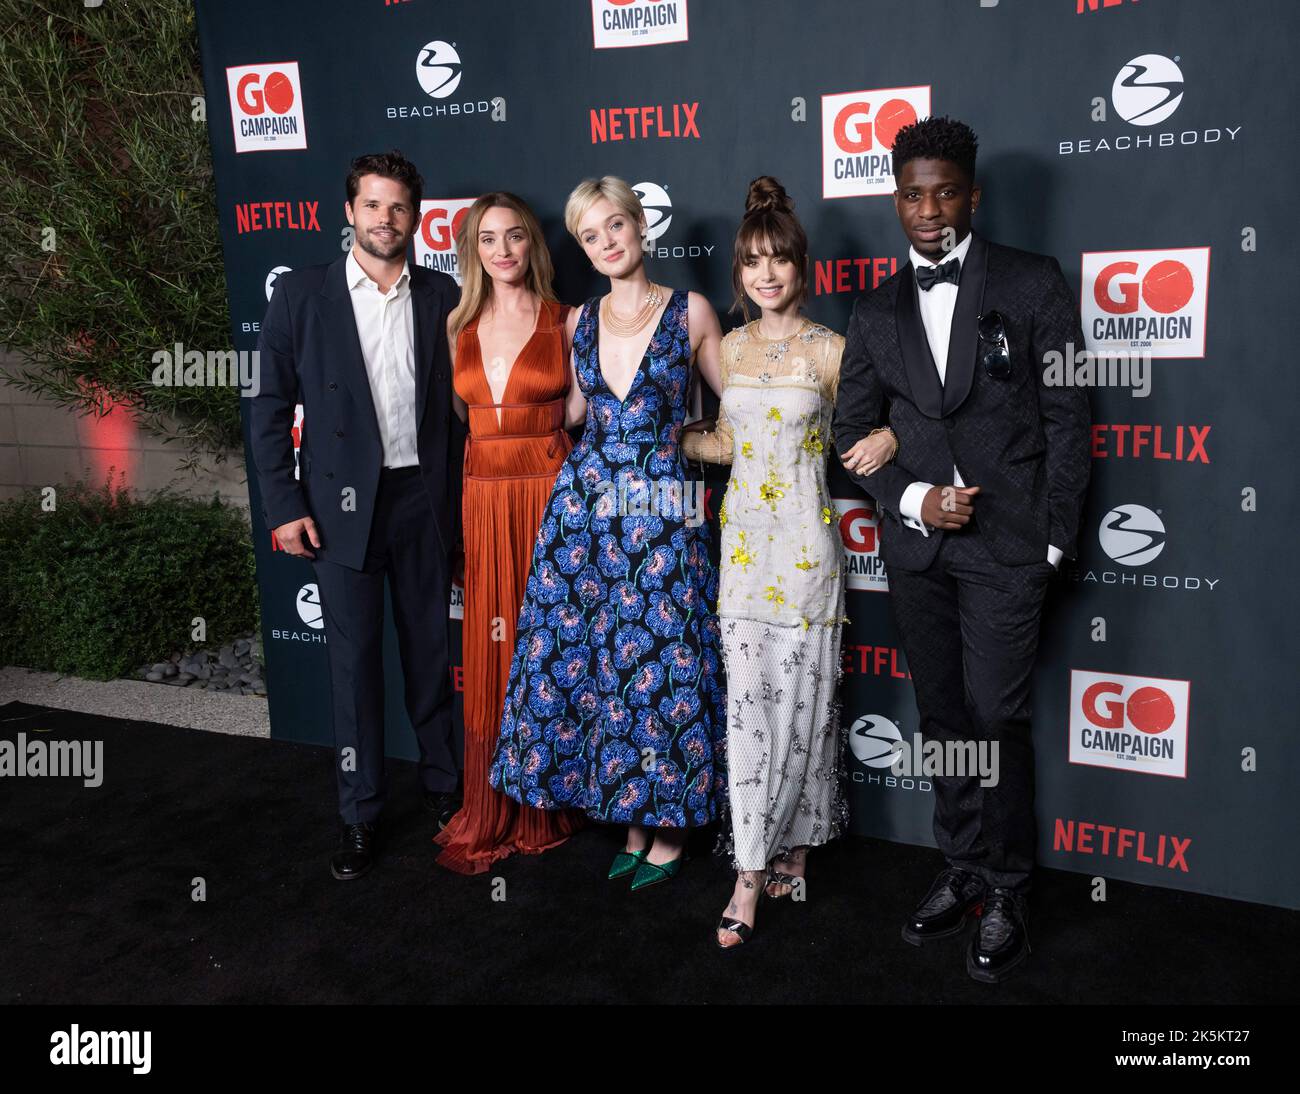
(43,444)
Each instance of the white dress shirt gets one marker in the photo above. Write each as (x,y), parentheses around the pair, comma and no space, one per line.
(937,306)
(386,329)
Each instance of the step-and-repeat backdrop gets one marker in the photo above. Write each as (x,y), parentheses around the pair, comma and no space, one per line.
(1147,145)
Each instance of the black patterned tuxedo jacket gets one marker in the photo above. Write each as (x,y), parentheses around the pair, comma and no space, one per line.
(1024,443)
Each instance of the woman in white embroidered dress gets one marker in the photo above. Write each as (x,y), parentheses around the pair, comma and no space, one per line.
(781,602)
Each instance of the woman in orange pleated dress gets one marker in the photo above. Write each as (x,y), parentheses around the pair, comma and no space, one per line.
(511,375)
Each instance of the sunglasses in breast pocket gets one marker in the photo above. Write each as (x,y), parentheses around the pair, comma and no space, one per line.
(994,349)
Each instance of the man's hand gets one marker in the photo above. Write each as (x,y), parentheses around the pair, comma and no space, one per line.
(948,507)
(292,537)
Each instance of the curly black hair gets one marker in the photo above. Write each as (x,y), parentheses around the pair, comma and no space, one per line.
(389,165)
(938,138)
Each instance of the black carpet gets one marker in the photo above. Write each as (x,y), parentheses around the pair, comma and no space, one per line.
(95,906)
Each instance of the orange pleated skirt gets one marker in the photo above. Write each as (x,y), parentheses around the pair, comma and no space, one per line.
(510,466)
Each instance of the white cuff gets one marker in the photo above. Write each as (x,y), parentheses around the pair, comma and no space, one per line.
(1054,555)
(909,506)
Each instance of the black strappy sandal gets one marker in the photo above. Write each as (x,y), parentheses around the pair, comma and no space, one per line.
(743,931)
(775,877)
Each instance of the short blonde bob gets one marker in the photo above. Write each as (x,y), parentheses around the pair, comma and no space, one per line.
(590,191)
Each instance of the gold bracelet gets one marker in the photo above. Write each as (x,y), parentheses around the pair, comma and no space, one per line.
(886,429)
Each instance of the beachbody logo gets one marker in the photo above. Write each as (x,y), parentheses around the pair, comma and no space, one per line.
(658,209)
(860,533)
(1151,300)
(1131,723)
(858,131)
(875,743)
(439,72)
(266,107)
(272,278)
(1134,536)
(438,69)
(619,23)
(1147,91)
(435,241)
(309,609)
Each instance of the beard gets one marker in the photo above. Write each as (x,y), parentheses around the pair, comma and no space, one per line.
(379,250)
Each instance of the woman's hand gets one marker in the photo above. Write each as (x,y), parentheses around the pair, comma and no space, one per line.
(870,453)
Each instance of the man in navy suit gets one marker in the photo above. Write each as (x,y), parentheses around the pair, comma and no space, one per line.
(361,343)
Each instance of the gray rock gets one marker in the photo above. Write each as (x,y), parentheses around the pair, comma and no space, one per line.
(241,647)
(154,677)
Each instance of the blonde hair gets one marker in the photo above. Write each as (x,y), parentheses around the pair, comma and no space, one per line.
(589,191)
(476,282)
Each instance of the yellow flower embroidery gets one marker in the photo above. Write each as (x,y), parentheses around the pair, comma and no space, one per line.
(775,595)
(722,512)
(805,563)
(747,449)
(812,441)
(774,415)
(740,556)
(826,515)
(770,490)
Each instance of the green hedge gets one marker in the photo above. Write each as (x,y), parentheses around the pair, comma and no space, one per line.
(108,581)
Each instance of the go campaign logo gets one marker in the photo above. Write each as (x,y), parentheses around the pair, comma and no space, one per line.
(435,242)
(1155,301)
(859,528)
(266,107)
(1131,723)
(620,23)
(858,131)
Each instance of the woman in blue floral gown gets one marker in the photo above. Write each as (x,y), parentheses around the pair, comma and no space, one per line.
(615,703)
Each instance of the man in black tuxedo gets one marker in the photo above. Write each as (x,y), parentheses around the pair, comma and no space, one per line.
(982,501)
(361,343)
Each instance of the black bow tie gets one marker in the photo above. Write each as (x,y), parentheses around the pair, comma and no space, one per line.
(929,276)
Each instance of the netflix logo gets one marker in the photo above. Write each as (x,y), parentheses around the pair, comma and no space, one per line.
(1098,5)
(1090,838)
(265,216)
(835,275)
(633,123)
(1185,443)
(874,661)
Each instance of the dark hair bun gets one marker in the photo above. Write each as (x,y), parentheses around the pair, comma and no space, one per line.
(767,195)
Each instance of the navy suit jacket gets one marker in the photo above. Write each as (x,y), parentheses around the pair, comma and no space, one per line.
(1023,442)
(310,353)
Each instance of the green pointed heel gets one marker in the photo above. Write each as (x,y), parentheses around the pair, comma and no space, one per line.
(647,873)
(626,862)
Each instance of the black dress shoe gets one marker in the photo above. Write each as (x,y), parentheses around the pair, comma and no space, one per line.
(443,804)
(1002,941)
(355,854)
(955,894)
